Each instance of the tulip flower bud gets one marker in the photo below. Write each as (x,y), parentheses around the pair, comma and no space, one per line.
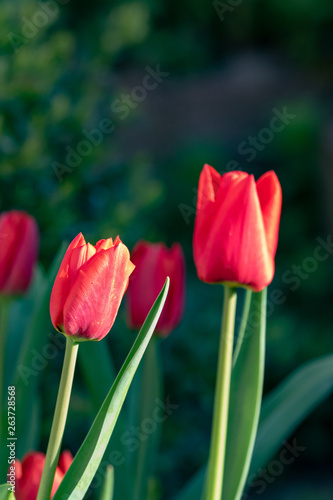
(153,263)
(19,242)
(89,287)
(28,474)
(236,228)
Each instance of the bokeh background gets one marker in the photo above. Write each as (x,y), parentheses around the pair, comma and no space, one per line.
(222,70)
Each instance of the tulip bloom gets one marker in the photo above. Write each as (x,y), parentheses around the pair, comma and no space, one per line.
(89,287)
(19,242)
(153,263)
(236,228)
(28,474)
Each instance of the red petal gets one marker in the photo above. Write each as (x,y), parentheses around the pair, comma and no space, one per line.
(209,182)
(104,244)
(94,299)
(58,477)
(28,484)
(154,262)
(10,227)
(79,257)
(174,267)
(146,281)
(19,238)
(230,244)
(61,284)
(26,258)
(270,197)
(65,461)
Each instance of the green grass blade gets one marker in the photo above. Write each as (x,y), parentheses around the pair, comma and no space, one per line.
(86,462)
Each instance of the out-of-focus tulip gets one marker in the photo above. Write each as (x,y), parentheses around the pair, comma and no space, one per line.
(236,228)
(65,461)
(153,263)
(89,287)
(28,474)
(19,243)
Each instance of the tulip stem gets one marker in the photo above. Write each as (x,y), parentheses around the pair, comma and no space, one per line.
(59,420)
(215,473)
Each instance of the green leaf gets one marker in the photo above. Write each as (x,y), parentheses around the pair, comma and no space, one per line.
(244,408)
(5,494)
(245,401)
(288,405)
(243,323)
(85,464)
(98,383)
(107,489)
(282,411)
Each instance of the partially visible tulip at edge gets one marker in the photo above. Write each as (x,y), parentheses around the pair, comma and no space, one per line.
(19,244)
(89,287)
(236,228)
(28,474)
(153,263)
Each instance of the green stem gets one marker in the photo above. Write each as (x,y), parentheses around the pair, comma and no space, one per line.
(216,461)
(59,420)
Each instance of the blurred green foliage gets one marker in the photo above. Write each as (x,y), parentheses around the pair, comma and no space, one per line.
(58,79)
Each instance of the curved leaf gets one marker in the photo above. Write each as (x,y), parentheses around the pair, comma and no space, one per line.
(85,464)
(98,383)
(245,401)
(244,408)
(243,324)
(282,411)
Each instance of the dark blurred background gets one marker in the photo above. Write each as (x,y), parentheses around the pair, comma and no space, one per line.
(155,90)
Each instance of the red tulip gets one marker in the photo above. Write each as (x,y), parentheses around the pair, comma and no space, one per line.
(153,263)
(28,474)
(236,228)
(89,286)
(19,242)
